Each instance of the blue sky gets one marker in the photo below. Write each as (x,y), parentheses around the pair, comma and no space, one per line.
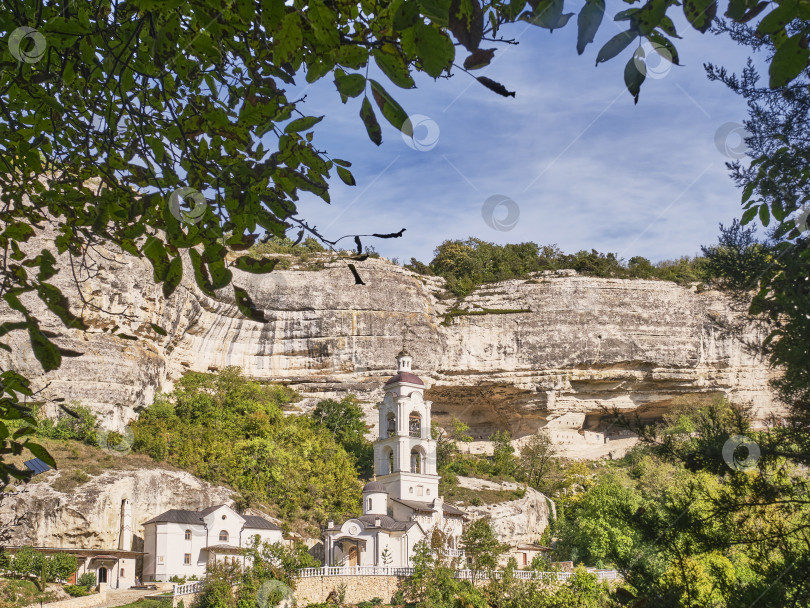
(586,168)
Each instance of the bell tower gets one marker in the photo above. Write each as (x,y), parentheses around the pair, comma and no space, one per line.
(405,452)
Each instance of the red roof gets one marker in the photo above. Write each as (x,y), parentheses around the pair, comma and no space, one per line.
(405,377)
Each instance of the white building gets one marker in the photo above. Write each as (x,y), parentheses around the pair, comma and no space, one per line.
(182,543)
(402,505)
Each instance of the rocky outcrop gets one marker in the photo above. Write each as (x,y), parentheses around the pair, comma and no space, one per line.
(522,354)
(517,521)
(87,513)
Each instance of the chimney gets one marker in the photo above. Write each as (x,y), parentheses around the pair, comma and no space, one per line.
(125,534)
(377,522)
(331,524)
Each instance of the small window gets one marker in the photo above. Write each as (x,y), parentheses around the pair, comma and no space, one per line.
(122,572)
(427,491)
(415,425)
(187,559)
(160,559)
(223,536)
(369,504)
(188,534)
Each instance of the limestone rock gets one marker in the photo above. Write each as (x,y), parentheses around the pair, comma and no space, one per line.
(517,521)
(546,352)
(88,515)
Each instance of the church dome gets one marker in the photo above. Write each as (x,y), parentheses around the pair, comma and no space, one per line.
(404,377)
(373,486)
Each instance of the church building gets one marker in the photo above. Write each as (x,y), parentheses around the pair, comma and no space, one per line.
(402,505)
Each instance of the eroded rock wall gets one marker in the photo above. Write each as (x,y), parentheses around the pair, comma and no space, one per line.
(547,352)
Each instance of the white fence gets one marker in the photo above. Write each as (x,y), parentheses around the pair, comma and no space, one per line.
(187,588)
(602,575)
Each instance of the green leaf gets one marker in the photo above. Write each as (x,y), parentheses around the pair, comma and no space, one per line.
(633,78)
(700,13)
(588,22)
(749,215)
(158,329)
(392,111)
(437,11)
(155,251)
(255,265)
(664,47)
(40,452)
(349,85)
(200,273)
(548,14)
(405,15)
(346,176)
(764,215)
(174,274)
(433,47)
(778,18)
(789,61)
(246,305)
(395,68)
(615,45)
(302,124)
(370,121)
(45,351)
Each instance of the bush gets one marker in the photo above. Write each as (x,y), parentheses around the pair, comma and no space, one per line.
(76,590)
(82,428)
(88,579)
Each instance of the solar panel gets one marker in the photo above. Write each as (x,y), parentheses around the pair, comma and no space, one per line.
(37,466)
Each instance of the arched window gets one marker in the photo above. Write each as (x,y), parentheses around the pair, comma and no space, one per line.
(415,424)
(388,462)
(369,505)
(392,424)
(223,536)
(416,461)
(188,534)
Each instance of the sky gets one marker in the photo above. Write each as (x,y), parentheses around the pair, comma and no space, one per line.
(570,160)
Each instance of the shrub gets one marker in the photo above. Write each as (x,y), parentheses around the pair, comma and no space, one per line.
(88,579)
(76,590)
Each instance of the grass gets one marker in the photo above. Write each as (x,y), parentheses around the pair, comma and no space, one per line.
(458,312)
(144,603)
(78,463)
(466,496)
(15,593)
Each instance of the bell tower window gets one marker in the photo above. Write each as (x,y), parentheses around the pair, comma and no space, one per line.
(392,424)
(415,425)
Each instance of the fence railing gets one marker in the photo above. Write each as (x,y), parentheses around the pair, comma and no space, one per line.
(459,574)
(187,588)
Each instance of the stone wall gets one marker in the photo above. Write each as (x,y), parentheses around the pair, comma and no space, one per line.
(88,601)
(358,588)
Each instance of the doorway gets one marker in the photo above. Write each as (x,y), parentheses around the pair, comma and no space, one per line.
(353,555)
(102,575)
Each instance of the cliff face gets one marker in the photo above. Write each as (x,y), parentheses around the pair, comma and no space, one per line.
(47,513)
(545,352)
